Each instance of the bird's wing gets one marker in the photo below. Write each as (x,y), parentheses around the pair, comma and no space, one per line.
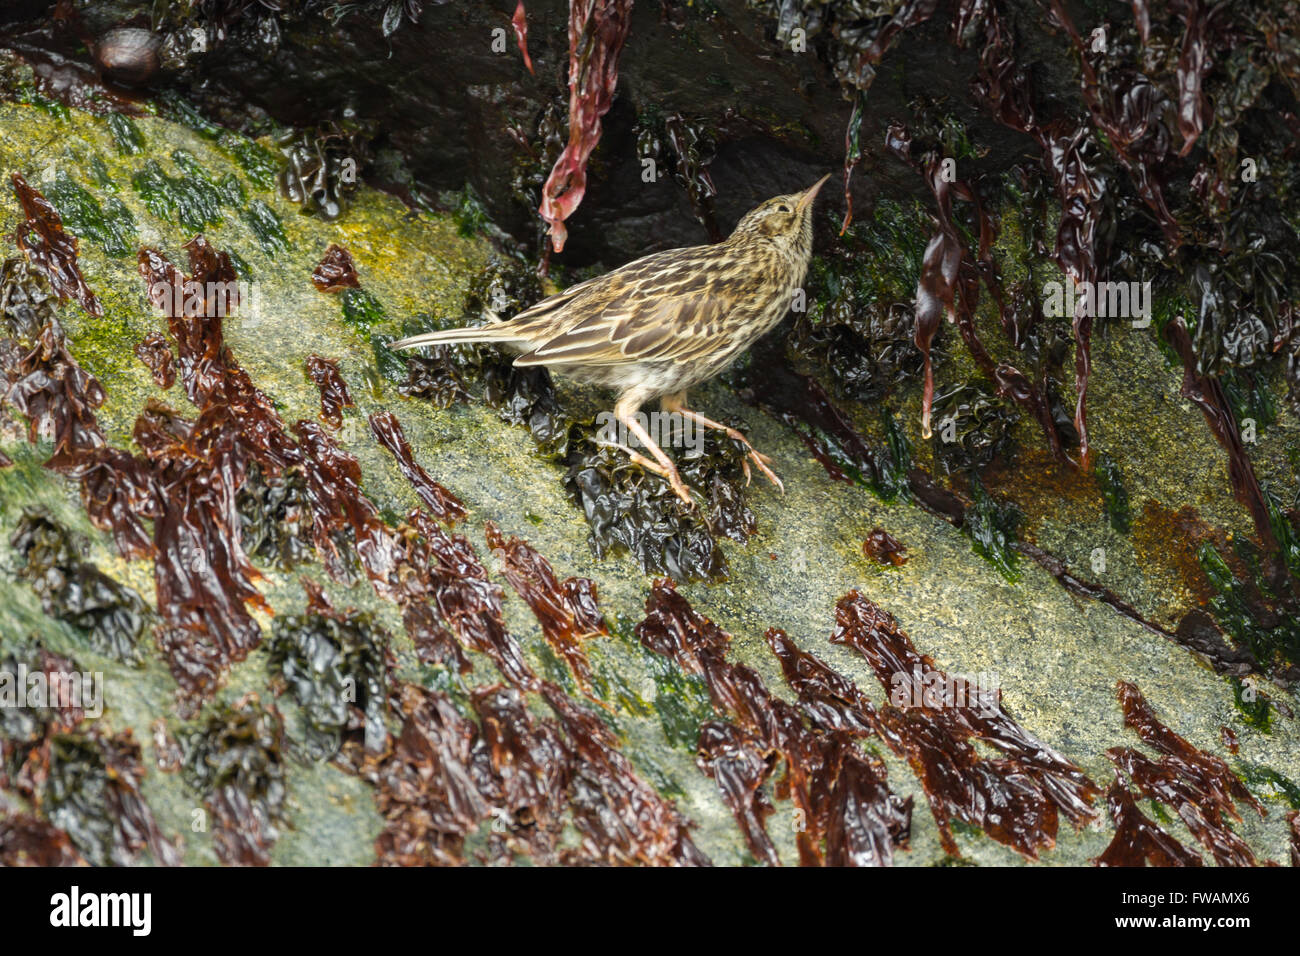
(663,307)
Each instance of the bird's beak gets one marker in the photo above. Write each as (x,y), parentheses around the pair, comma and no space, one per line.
(809,194)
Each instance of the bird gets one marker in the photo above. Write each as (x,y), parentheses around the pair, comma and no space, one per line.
(667,322)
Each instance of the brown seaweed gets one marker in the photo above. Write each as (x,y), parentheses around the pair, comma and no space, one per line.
(443,505)
(1199,786)
(334,394)
(1138,840)
(336,271)
(567,610)
(50,249)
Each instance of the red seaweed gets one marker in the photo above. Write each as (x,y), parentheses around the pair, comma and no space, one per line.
(949,284)
(157,356)
(336,271)
(58,397)
(597,32)
(520,23)
(1138,840)
(444,775)
(28,841)
(839,793)
(883,548)
(442,503)
(567,610)
(1065,147)
(1199,786)
(1014,799)
(334,394)
(428,788)
(1207,393)
(49,248)
(445,569)
(333,479)
(1194,62)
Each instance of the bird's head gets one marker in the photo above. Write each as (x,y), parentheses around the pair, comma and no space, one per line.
(784,220)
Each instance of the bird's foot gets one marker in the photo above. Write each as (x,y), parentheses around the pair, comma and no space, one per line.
(668,472)
(677,403)
(760,460)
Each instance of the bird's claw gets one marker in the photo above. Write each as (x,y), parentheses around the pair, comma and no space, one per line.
(761,460)
(669,474)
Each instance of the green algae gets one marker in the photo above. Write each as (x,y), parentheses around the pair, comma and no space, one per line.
(1267,783)
(266,225)
(1118,509)
(191,201)
(109,224)
(1238,609)
(126,135)
(363,311)
(991,526)
(259,164)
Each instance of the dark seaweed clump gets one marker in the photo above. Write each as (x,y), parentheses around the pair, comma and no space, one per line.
(275,518)
(83,784)
(28,304)
(234,761)
(112,616)
(335,666)
(859,323)
(322,168)
(973,428)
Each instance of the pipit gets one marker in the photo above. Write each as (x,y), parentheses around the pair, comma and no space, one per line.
(666,322)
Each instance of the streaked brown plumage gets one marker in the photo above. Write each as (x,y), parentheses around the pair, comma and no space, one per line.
(667,322)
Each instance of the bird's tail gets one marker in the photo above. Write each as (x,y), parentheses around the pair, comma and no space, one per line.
(488,333)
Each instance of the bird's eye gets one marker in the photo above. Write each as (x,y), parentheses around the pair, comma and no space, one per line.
(783,208)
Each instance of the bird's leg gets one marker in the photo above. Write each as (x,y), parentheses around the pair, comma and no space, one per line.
(625,411)
(648,464)
(677,403)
